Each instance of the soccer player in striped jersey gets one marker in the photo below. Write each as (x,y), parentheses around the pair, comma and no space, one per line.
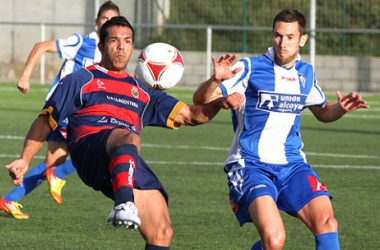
(107,108)
(266,168)
(78,51)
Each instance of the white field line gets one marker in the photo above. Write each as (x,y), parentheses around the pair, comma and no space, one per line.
(224,149)
(220,149)
(221,164)
(196,163)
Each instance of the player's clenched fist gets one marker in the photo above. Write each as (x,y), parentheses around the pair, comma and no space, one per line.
(17,169)
(233,101)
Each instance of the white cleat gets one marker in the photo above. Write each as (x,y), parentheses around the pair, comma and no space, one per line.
(124,214)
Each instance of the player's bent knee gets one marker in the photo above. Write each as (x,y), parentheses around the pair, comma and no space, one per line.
(274,240)
(331,224)
(327,224)
(161,235)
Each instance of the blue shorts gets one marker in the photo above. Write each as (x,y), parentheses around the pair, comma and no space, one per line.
(60,133)
(92,162)
(291,186)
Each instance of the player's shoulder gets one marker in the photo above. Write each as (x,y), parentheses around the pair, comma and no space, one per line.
(83,75)
(92,36)
(304,66)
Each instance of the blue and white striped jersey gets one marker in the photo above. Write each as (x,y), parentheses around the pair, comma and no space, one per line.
(267,126)
(78,51)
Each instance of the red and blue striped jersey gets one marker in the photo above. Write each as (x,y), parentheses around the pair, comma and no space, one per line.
(95,99)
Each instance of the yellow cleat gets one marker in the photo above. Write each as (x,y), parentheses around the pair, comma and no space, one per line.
(12,208)
(55,185)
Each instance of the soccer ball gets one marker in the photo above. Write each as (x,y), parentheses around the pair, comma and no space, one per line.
(160,66)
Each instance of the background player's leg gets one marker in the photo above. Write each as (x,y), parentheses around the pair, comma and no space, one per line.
(56,156)
(155,219)
(57,153)
(64,169)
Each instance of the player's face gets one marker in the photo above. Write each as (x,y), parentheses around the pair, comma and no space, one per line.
(104,17)
(287,41)
(117,49)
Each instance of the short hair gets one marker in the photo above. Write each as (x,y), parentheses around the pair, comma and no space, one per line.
(114,21)
(289,16)
(109,5)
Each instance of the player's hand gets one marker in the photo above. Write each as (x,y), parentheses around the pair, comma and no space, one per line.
(233,101)
(23,84)
(351,101)
(17,169)
(222,67)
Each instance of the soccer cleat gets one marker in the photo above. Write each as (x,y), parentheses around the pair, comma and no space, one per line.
(124,214)
(12,208)
(55,185)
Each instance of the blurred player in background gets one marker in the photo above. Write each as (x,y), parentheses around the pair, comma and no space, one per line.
(78,51)
(107,109)
(266,169)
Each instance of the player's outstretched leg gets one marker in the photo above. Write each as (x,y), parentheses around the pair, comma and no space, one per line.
(9,202)
(155,219)
(122,167)
(55,177)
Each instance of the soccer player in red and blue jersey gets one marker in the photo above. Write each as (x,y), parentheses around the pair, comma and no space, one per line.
(107,108)
(78,51)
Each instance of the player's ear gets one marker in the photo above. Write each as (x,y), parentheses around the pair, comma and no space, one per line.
(100,47)
(303,40)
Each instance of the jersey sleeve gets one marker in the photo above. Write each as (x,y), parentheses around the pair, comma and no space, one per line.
(66,98)
(162,110)
(239,82)
(68,47)
(316,96)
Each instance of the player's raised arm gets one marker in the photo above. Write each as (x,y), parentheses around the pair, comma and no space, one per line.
(333,111)
(35,55)
(209,90)
(32,144)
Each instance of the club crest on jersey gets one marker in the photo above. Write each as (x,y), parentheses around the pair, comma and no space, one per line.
(135,92)
(280,102)
(302,79)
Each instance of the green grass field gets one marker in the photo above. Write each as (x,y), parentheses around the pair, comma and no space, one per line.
(189,163)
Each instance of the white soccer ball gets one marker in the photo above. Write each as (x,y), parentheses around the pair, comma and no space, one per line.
(160,66)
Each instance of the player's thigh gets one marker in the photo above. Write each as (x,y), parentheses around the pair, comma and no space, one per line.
(318,215)
(266,217)
(119,137)
(56,154)
(154,215)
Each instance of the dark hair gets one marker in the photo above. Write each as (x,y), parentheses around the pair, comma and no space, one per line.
(289,16)
(114,21)
(109,5)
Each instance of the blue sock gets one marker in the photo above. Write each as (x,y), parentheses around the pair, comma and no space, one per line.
(257,246)
(63,170)
(327,241)
(154,247)
(33,179)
